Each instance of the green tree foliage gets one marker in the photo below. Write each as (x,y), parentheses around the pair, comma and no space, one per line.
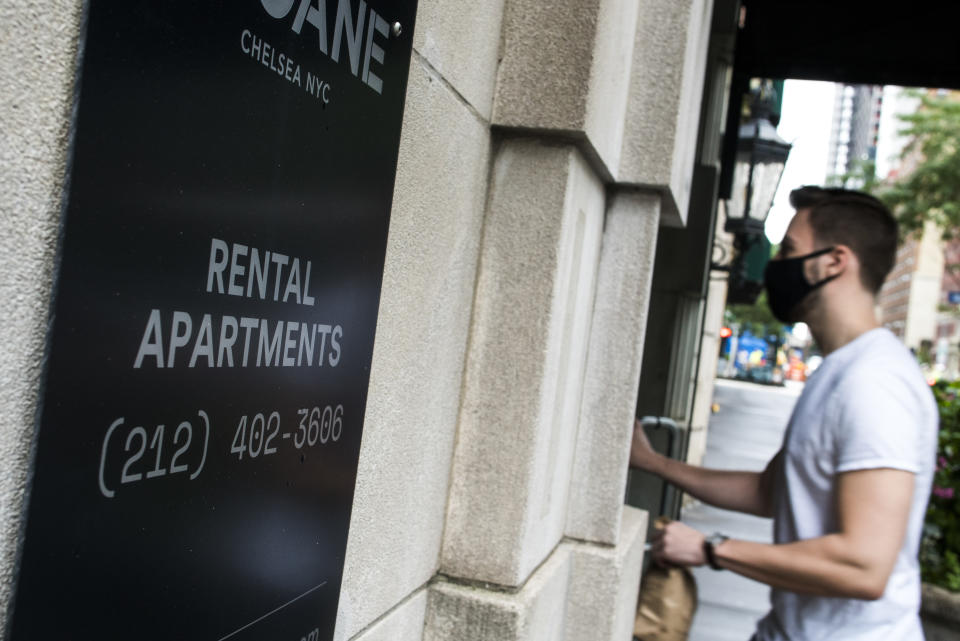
(940,547)
(756,318)
(930,190)
(862,175)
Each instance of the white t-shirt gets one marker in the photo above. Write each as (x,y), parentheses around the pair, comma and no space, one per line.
(866,407)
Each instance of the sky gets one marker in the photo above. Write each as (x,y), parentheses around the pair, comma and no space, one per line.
(805,121)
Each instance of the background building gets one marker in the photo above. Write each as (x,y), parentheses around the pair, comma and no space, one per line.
(855,129)
(946,346)
(918,298)
(911,293)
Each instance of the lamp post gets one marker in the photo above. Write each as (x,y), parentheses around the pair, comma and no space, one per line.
(760,161)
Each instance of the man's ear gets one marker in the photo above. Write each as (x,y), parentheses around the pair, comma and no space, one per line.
(837,261)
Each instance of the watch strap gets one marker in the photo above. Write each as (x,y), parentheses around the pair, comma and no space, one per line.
(709,543)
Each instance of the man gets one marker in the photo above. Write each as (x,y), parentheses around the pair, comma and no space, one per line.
(849,487)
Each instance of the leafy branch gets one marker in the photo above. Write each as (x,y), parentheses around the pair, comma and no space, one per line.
(930,190)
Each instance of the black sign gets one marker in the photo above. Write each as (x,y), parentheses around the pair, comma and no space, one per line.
(230,187)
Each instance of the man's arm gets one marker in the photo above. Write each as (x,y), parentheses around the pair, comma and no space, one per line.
(741,491)
(873,507)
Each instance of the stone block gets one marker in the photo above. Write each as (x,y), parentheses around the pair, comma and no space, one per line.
(663,112)
(608,87)
(696,445)
(565,69)
(604,584)
(613,366)
(38,51)
(709,349)
(403,623)
(525,363)
(461,40)
(939,613)
(417,369)
(472,613)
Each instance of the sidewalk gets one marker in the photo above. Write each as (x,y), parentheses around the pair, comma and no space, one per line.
(744,434)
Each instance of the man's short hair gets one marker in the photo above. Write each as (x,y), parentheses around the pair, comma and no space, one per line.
(857,220)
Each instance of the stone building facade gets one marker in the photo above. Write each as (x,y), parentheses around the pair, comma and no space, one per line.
(553,157)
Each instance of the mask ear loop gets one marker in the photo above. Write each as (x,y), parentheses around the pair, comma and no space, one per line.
(821,252)
(823,282)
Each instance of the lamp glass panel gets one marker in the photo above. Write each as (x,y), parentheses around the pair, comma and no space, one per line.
(766,177)
(738,194)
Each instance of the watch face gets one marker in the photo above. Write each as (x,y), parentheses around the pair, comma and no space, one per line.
(708,548)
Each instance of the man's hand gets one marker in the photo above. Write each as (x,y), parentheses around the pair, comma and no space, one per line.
(727,489)
(678,544)
(642,454)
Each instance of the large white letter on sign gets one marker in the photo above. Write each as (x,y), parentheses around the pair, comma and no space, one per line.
(277,8)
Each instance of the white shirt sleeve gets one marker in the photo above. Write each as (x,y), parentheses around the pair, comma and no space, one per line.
(878,423)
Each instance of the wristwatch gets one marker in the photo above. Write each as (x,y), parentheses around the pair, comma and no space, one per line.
(709,543)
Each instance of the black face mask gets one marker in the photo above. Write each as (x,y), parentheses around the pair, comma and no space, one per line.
(787,286)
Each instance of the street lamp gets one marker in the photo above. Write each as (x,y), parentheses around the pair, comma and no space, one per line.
(760,160)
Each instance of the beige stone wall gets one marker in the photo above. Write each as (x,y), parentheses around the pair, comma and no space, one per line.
(586,141)
(542,148)
(38,50)
(706,371)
